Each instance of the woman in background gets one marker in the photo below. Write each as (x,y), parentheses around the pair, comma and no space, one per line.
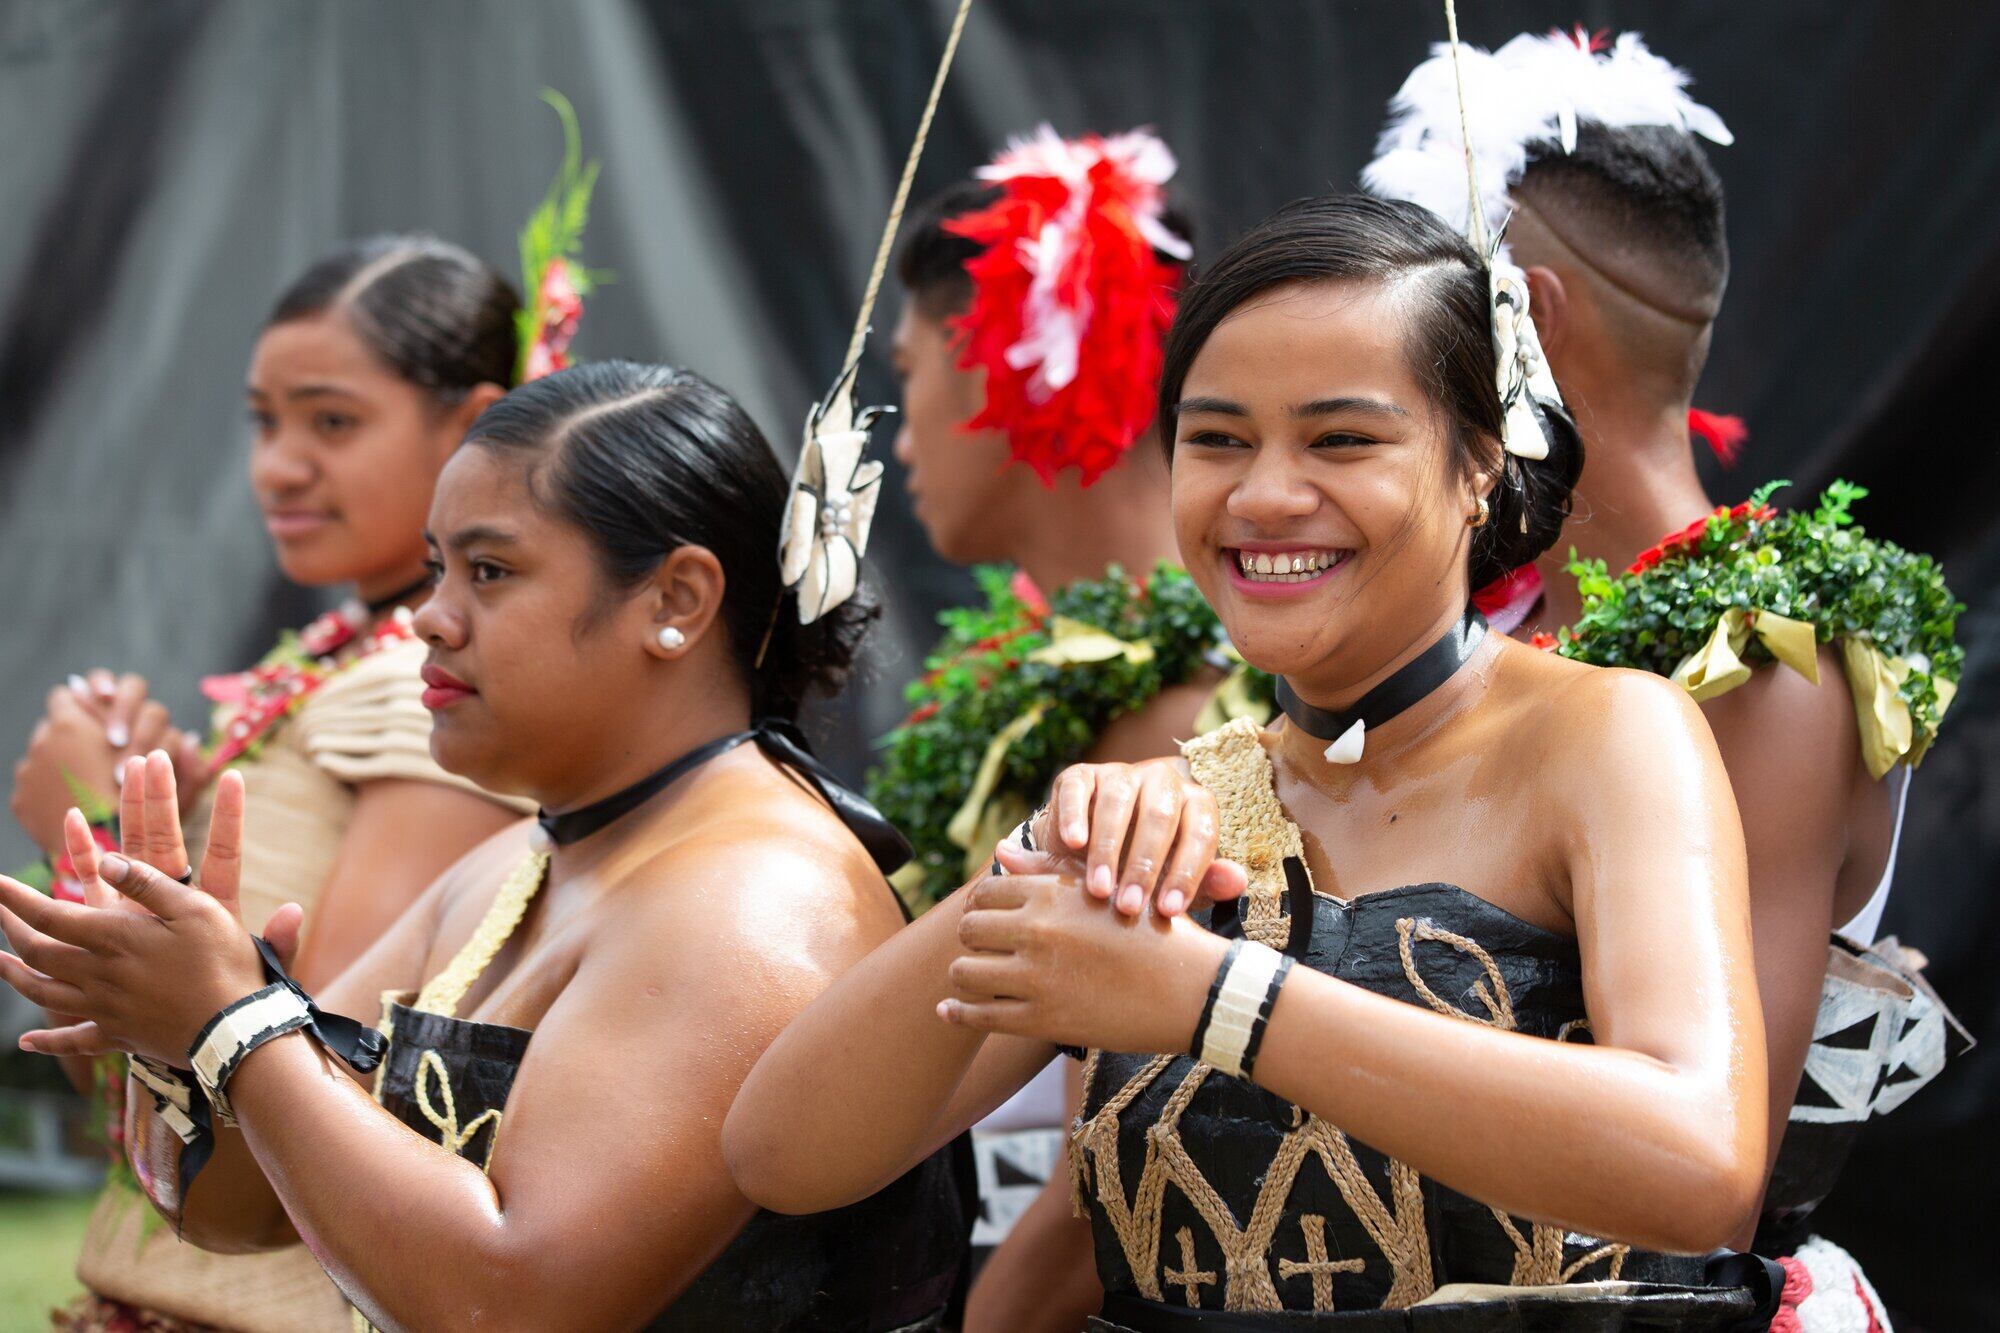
(571,1008)
(365,378)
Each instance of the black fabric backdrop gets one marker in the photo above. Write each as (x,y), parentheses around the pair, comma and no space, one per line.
(168,164)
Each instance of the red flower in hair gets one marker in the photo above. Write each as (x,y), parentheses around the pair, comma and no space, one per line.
(1071,300)
(561,310)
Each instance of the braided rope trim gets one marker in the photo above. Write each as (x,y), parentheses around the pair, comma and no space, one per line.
(443,992)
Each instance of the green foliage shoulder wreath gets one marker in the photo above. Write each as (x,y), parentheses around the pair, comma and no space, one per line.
(1018,689)
(1750,584)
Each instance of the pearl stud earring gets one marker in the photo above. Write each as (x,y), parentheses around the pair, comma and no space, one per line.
(672,639)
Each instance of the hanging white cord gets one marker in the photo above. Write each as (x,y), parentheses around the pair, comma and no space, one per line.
(888,241)
(1475,228)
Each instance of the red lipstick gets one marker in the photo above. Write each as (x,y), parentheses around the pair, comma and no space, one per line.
(442,689)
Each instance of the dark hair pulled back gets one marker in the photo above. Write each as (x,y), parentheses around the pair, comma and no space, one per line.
(644,459)
(1358,238)
(437,315)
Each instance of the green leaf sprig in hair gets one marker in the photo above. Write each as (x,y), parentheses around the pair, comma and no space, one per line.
(1751,584)
(553,282)
(1018,689)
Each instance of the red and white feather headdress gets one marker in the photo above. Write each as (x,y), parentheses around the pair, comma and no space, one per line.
(1071,298)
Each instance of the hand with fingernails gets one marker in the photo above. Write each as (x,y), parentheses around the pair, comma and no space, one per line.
(1039,959)
(1145,833)
(135,724)
(90,726)
(144,961)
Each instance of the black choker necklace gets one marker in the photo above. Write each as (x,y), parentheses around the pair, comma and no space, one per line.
(783,744)
(1411,682)
(377,605)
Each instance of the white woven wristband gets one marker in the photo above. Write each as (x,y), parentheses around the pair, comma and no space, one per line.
(239,1029)
(172,1093)
(1239,1005)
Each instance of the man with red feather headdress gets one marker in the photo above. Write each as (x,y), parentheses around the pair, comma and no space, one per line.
(1037,300)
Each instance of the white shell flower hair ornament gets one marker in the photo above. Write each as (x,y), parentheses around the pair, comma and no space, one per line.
(832,504)
(834,490)
(1458,138)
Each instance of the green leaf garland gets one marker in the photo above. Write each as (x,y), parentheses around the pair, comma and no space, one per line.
(984,675)
(1810,565)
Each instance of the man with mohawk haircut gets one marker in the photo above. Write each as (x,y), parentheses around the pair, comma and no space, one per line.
(1586,152)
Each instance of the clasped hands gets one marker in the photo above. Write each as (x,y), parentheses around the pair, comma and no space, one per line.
(1087,942)
(92,726)
(144,961)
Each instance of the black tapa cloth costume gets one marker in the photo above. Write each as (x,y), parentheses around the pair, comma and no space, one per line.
(890,1262)
(1214,1203)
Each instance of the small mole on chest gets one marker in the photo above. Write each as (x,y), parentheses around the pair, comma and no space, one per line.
(1392,817)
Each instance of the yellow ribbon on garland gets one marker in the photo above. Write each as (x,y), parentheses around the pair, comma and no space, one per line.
(1073,643)
(1717,667)
(1888,730)
(1947,690)
(1879,707)
(1232,699)
(975,821)
(984,818)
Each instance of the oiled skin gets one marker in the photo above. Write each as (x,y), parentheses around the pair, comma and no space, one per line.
(1590,802)
(664,954)
(1625,333)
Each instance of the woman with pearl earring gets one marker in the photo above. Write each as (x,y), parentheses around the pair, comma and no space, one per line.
(597,980)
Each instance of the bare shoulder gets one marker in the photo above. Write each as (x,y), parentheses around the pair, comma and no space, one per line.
(1601,724)
(1157,728)
(768,878)
(1777,707)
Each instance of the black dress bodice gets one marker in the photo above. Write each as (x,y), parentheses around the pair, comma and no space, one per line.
(1214,1203)
(1257,1200)
(889,1262)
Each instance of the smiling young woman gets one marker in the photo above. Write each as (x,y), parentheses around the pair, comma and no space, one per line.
(598,981)
(366,374)
(1370,1080)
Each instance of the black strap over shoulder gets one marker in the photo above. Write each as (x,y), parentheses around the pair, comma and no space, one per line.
(783,743)
(786,744)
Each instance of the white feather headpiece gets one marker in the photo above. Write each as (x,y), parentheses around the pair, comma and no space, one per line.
(1534,91)
(1461,128)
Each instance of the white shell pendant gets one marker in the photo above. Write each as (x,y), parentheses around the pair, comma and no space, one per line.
(1347,750)
(539,839)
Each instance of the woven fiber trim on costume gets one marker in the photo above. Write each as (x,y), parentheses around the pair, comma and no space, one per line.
(1233,765)
(1255,831)
(442,994)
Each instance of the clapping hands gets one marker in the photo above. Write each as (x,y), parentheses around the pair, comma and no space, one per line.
(145,960)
